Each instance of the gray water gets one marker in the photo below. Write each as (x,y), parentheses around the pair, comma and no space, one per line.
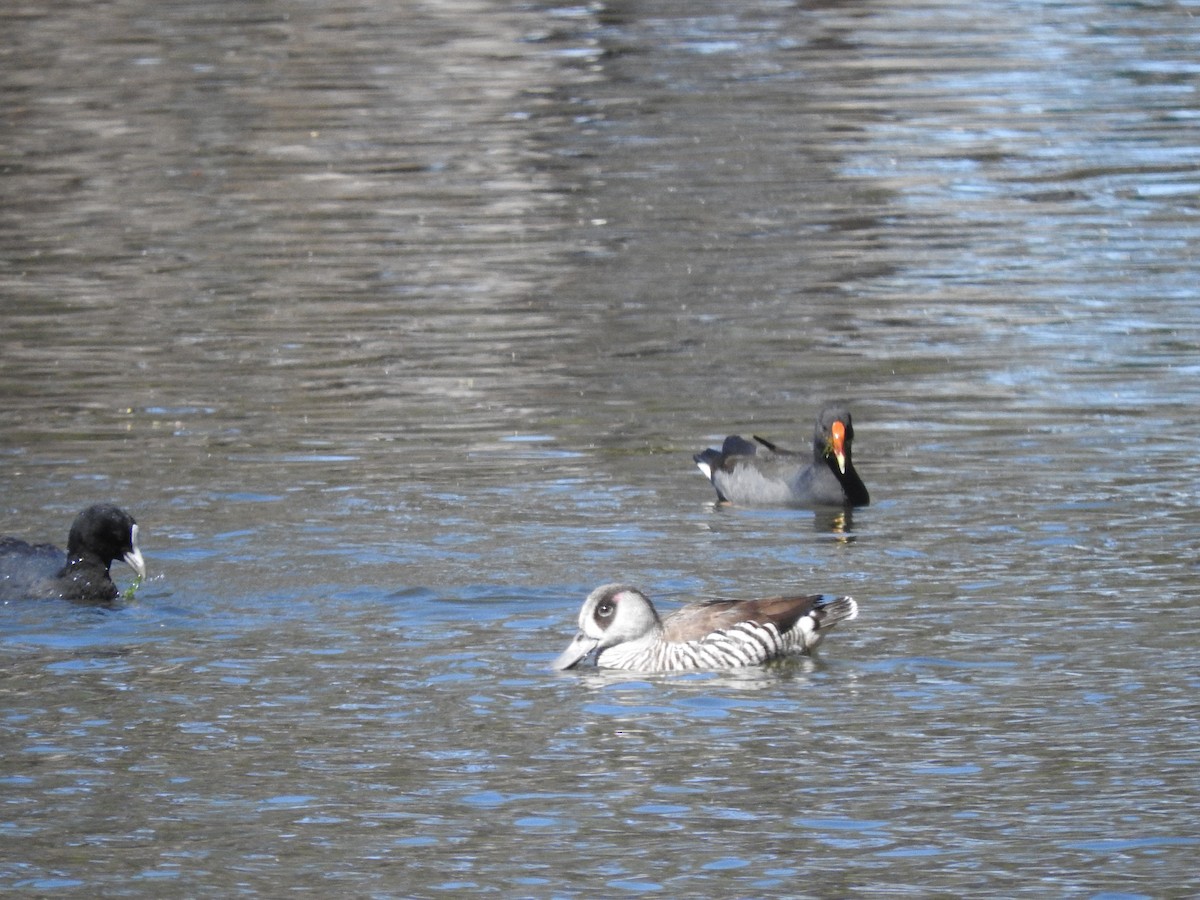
(396,325)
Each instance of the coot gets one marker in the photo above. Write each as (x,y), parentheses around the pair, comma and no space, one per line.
(99,535)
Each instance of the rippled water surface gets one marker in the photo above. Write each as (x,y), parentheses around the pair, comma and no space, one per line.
(396,325)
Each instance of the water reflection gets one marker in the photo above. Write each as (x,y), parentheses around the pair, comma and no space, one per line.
(615,685)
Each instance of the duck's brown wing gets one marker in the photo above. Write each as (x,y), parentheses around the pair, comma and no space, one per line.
(698,620)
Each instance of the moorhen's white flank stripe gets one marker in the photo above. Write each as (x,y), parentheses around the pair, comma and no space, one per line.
(620,627)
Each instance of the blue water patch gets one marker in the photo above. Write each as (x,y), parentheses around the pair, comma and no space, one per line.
(1122,845)
(969,769)
(537,822)
(662,809)
(634,886)
(708,48)
(49,884)
(158,874)
(289,800)
(417,840)
(179,410)
(728,862)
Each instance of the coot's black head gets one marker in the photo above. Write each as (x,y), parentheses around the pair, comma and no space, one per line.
(105,532)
